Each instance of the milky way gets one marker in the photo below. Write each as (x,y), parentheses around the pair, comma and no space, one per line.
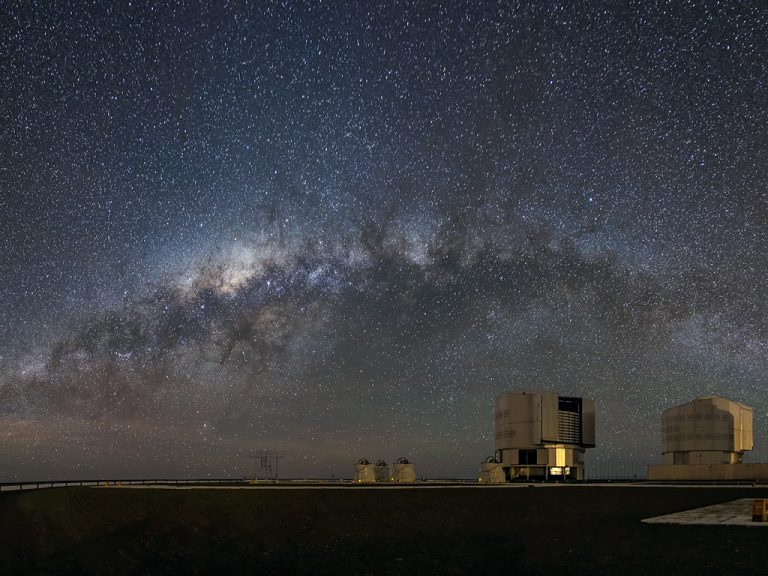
(340,229)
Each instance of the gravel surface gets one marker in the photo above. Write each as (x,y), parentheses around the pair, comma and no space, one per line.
(522,530)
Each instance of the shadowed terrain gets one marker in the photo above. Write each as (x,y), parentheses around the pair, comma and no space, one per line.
(563,529)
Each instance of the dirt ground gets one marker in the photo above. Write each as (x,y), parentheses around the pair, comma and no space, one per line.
(522,530)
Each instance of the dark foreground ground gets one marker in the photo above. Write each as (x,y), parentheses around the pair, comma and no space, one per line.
(541,530)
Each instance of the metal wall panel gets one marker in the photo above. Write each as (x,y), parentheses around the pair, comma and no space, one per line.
(745,428)
(518,418)
(535,408)
(549,413)
(588,422)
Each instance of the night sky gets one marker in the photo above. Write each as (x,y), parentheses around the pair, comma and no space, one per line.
(340,229)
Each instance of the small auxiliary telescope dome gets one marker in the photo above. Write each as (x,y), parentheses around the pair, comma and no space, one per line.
(491,472)
(382,471)
(365,472)
(402,471)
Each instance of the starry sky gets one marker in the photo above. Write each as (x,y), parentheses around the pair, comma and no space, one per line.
(340,229)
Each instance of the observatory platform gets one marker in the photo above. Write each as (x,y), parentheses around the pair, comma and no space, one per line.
(734,513)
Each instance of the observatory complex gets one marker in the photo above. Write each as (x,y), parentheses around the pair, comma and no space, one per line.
(706,439)
(542,435)
(401,471)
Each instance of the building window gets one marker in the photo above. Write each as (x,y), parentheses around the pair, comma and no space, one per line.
(680,458)
(528,457)
(565,404)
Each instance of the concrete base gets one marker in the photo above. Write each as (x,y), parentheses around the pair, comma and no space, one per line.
(684,472)
(736,513)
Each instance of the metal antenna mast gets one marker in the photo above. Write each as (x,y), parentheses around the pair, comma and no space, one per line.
(269,462)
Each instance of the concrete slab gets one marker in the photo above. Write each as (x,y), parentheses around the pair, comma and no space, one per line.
(347,487)
(735,513)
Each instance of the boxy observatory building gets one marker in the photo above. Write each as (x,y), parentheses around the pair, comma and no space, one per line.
(706,439)
(540,435)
